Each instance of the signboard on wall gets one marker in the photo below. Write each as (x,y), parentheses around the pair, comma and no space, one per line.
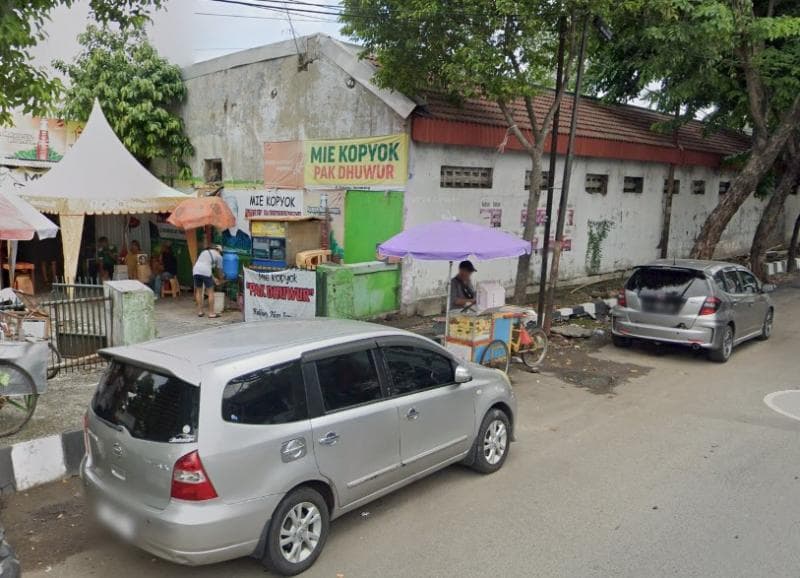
(280,294)
(541,215)
(256,203)
(371,162)
(37,139)
(492,213)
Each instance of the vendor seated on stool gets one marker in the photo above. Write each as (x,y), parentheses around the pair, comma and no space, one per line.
(462,292)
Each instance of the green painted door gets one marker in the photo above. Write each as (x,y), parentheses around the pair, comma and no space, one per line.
(370,218)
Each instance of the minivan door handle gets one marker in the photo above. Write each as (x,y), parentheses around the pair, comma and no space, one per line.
(330,439)
(412,414)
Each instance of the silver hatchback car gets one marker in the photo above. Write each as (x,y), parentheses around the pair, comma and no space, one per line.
(703,304)
(247,440)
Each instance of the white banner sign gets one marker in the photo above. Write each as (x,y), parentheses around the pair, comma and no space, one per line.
(290,293)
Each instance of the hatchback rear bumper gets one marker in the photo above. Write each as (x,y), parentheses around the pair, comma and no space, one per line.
(701,334)
(185,532)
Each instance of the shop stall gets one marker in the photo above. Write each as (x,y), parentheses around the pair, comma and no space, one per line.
(277,240)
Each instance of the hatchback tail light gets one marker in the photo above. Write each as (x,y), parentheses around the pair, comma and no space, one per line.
(710,306)
(190,481)
(622,300)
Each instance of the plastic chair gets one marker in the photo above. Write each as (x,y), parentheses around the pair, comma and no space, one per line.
(311,259)
(171,287)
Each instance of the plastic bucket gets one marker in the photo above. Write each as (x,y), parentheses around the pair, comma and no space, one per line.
(219,302)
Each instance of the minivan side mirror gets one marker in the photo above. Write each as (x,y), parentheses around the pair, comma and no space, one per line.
(463,375)
(767,288)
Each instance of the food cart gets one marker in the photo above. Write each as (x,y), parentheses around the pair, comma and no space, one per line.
(488,335)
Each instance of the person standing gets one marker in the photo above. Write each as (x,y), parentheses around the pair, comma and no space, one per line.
(132,260)
(207,262)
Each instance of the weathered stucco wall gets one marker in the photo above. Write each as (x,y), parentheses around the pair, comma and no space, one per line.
(624,229)
(231,113)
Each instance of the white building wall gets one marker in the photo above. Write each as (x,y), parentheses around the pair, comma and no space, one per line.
(634,219)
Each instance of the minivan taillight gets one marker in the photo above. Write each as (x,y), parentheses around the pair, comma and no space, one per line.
(710,306)
(622,300)
(190,481)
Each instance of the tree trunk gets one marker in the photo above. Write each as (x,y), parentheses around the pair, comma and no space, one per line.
(535,192)
(663,244)
(791,266)
(769,218)
(761,159)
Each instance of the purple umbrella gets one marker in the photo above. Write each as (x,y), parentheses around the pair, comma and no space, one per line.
(453,241)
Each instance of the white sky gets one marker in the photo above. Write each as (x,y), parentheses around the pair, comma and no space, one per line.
(188,31)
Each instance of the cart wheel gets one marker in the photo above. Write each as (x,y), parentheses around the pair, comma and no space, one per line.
(55,361)
(534,352)
(496,356)
(18,406)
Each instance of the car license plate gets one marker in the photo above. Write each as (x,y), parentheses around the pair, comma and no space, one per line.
(117,521)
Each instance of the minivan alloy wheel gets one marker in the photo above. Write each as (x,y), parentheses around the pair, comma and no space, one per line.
(300,532)
(495,442)
(727,343)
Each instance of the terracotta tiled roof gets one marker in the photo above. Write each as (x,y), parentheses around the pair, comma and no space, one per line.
(597,120)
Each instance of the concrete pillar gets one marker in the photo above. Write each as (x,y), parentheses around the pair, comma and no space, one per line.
(133,318)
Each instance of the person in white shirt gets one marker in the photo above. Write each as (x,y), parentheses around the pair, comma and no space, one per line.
(207,262)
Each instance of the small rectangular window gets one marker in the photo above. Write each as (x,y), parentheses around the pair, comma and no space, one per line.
(633,185)
(466,177)
(212,170)
(542,185)
(269,396)
(724,186)
(348,380)
(596,184)
(676,186)
(698,187)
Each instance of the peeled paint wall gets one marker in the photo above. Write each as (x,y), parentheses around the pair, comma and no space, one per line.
(231,113)
(633,226)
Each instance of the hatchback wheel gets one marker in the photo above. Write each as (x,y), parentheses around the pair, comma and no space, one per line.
(766,329)
(723,353)
(297,532)
(492,443)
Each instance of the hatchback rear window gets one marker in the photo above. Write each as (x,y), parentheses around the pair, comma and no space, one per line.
(152,406)
(667,282)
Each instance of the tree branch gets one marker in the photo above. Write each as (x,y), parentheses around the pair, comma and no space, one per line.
(514,128)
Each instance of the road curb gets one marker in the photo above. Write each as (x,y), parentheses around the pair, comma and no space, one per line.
(9,565)
(32,463)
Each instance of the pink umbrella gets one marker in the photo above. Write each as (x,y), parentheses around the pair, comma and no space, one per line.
(19,221)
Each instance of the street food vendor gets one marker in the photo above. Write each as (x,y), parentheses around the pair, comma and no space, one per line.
(462,292)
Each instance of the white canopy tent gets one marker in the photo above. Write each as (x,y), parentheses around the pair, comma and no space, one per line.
(97,176)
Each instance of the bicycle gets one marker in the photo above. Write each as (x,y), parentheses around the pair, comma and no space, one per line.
(529,346)
(18,397)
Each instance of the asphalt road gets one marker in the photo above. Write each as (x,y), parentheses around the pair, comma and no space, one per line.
(682,471)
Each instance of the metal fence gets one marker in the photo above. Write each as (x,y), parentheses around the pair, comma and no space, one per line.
(80,323)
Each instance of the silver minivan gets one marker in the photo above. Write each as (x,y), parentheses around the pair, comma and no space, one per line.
(709,305)
(246,440)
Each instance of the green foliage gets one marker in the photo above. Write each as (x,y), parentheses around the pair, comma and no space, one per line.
(27,87)
(138,90)
(598,231)
(694,55)
(502,50)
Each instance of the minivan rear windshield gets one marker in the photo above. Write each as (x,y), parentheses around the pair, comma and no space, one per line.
(668,282)
(152,406)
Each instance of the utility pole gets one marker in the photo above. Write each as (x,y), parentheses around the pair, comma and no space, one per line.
(564,199)
(551,178)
